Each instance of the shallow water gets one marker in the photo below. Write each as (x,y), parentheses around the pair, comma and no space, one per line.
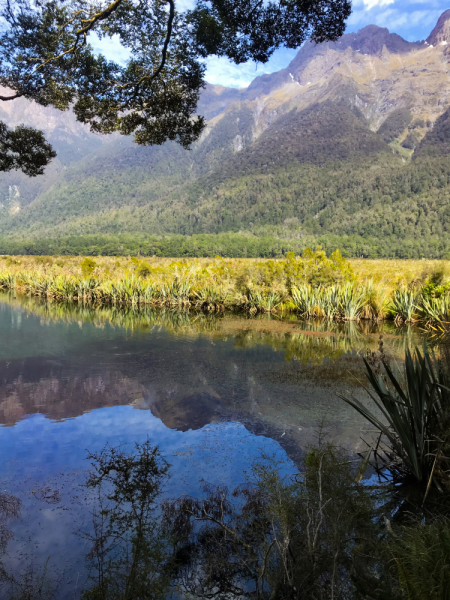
(214,392)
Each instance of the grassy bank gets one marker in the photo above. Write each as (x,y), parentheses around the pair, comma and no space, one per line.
(313,285)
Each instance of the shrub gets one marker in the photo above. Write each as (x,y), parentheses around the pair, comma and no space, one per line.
(316,268)
(143,270)
(304,537)
(9,260)
(87,266)
(422,556)
(43,260)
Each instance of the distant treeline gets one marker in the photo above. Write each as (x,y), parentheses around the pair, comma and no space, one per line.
(230,245)
(202,245)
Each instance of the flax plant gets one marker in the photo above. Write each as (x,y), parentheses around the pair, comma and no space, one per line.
(329,302)
(376,302)
(351,302)
(305,299)
(211,297)
(403,305)
(435,310)
(413,420)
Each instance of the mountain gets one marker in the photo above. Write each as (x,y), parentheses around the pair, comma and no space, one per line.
(349,141)
(441,33)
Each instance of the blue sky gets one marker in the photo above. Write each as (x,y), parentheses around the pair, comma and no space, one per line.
(412,19)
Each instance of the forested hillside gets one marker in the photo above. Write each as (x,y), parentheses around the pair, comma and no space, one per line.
(349,146)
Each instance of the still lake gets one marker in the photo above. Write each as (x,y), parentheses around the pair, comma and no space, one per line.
(214,392)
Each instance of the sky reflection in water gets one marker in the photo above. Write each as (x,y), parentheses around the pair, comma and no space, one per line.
(214,394)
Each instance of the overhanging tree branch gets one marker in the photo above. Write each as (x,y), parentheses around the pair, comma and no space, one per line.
(45,55)
(6,98)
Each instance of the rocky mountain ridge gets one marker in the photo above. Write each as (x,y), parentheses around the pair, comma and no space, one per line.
(371,99)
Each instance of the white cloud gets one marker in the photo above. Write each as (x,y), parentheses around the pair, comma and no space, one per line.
(429,3)
(221,71)
(357,18)
(412,19)
(183,5)
(369,4)
(395,19)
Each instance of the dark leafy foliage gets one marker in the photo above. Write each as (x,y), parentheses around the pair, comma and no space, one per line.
(45,55)
(24,148)
(226,245)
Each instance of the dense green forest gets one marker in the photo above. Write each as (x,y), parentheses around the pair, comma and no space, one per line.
(317,176)
(226,245)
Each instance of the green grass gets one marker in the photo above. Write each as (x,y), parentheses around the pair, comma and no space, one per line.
(313,286)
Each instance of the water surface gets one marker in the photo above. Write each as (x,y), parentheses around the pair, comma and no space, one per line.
(213,391)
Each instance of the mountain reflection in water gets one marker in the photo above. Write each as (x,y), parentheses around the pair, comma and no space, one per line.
(278,377)
(214,392)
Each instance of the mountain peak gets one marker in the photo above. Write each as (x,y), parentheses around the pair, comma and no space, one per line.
(371,39)
(441,33)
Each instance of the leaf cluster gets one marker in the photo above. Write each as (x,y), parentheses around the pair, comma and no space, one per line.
(24,148)
(45,56)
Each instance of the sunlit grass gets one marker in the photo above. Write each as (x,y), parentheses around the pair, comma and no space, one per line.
(313,286)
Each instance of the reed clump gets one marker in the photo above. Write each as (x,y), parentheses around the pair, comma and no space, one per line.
(314,286)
